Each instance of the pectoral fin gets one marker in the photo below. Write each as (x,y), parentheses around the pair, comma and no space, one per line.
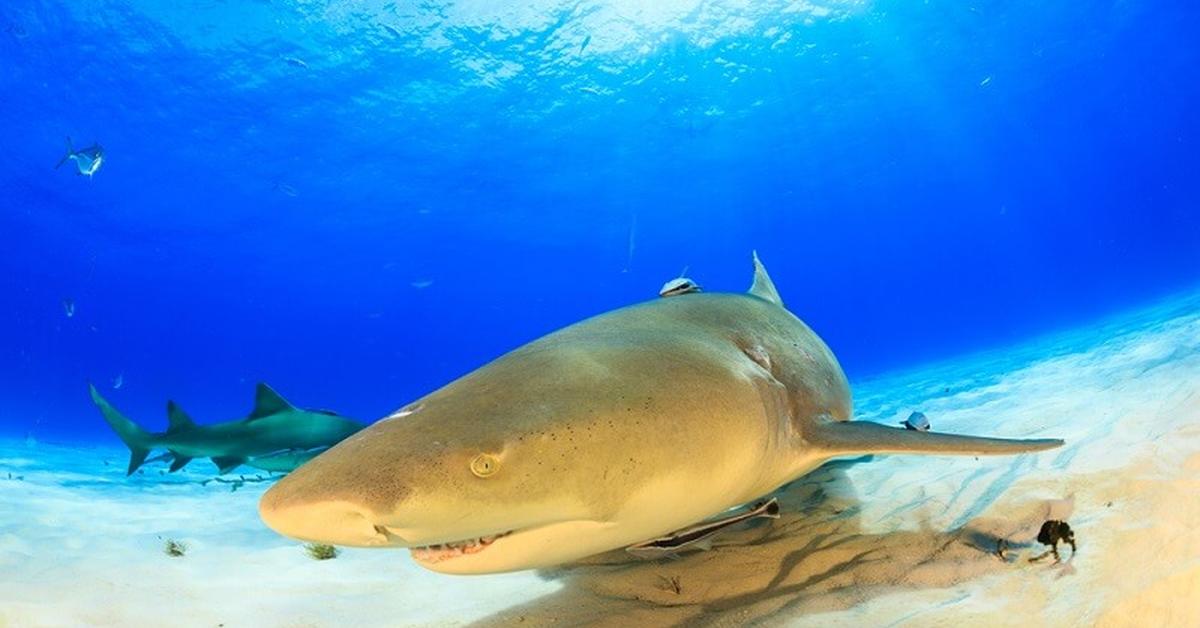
(864,437)
(179,462)
(225,464)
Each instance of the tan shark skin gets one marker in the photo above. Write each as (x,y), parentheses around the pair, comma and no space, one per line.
(618,429)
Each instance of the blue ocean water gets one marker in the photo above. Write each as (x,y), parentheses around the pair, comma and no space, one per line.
(359,202)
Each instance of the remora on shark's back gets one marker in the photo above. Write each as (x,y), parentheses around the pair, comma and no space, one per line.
(606,434)
(277,436)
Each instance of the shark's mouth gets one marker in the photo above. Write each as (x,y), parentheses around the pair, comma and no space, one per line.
(447,551)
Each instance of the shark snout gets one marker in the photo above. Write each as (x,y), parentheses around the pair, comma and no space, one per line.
(331,521)
(344,496)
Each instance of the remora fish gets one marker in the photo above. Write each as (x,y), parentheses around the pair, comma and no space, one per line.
(274,437)
(609,432)
(284,461)
(679,285)
(87,160)
(700,536)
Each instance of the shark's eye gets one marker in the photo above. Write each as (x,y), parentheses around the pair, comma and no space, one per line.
(484,465)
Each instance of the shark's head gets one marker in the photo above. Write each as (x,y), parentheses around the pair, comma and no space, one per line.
(461,503)
(520,465)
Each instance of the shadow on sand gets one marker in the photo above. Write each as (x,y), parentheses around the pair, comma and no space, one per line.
(815,558)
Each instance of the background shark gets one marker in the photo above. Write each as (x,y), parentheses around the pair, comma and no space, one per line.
(277,436)
(87,160)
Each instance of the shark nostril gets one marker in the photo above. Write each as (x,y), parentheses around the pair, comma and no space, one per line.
(331,521)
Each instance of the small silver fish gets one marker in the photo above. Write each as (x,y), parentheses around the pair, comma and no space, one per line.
(87,160)
(284,189)
(700,535)
(68,307)
(118,381)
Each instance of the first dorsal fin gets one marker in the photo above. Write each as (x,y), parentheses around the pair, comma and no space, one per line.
(268,402)
(763,287)
(177,419)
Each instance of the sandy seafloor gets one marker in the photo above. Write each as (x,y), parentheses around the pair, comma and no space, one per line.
(894,541)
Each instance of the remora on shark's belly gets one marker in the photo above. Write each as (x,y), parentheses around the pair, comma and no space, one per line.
(608,433)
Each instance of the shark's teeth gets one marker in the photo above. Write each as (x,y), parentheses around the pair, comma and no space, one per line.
(444,551)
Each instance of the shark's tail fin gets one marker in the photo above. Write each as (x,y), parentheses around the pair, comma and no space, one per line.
(70,151)
(864,437)
(137,439)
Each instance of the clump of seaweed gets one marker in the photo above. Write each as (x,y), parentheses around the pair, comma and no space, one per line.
(1052,533)
(174,548)
(321,551)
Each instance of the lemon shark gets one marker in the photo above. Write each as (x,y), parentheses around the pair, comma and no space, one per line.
(609,433)
(277,436)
